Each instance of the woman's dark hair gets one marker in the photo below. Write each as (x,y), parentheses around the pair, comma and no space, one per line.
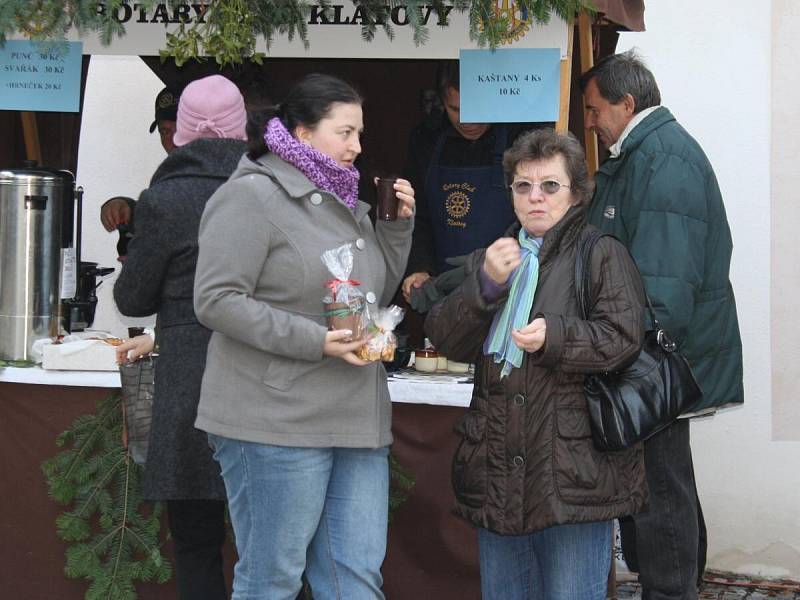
(307,103)
(546,143)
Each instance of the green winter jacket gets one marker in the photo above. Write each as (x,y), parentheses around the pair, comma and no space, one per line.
(661,198)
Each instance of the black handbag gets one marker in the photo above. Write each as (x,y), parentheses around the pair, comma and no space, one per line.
(630,405)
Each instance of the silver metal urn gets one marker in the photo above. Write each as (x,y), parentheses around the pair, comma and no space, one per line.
(36,224)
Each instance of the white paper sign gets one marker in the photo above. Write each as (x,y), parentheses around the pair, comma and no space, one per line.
(69,269)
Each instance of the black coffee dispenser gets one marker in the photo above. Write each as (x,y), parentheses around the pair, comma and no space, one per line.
(78,311)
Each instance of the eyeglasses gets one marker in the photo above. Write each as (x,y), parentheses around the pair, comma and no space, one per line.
(524,188)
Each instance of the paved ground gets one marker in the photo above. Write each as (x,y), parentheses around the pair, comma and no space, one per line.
(724,586)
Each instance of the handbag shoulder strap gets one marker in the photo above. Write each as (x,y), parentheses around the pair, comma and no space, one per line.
(583,279)
(583,255)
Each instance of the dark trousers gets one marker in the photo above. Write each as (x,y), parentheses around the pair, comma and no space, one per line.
(666,544)
(198,532)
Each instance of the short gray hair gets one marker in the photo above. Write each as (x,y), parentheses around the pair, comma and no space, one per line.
(621,74)
(542,144)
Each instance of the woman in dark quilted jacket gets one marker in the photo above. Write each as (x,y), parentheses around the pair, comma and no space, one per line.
(526,473)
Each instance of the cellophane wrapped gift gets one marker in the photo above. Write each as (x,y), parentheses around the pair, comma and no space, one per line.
(382,341)
(344,302)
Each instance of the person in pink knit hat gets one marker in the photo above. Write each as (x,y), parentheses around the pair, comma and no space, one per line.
(211,107)
(158,277)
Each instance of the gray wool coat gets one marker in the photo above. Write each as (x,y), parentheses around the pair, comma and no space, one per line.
(260,285)
(158,277)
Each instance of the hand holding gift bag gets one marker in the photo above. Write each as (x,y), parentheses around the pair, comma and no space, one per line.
(344,304)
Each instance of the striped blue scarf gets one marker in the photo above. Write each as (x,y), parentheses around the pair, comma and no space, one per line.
(517,310)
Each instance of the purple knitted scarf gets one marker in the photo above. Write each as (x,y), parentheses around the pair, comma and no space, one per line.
(321,169)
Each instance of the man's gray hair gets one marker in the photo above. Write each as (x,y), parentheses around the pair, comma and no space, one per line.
(621,74)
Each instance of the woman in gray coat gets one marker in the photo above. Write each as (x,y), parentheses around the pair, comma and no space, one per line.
(300,424)
(158,277)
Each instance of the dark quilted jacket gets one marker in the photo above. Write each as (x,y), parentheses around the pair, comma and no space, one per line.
(158,277)
(526,459)
(661,199)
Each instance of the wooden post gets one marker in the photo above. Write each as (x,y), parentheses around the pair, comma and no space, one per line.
(587,62)
(30,131)
(592,163)
(562,125)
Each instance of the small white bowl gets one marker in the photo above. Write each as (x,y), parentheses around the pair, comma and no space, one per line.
(457,367)
(426,361)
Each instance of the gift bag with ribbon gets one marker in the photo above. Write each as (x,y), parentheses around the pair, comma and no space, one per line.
(382,341)
(344,303)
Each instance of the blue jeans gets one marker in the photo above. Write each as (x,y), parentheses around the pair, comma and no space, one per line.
(319,510)
(563,562)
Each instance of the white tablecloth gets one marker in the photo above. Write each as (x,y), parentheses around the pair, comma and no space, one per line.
(37,375)
(442,390)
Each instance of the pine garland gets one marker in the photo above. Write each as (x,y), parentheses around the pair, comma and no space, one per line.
(230,28)
(115,540)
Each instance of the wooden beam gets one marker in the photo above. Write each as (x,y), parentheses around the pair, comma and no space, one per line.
(30,131)
(587,62)
(562,125)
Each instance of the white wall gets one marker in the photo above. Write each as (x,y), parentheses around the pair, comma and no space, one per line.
(712,61)
(117,157)
(785,219)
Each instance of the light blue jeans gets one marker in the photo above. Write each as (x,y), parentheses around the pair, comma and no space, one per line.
(563,562)
(318,510)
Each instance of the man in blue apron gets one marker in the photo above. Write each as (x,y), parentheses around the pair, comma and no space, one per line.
(465,203)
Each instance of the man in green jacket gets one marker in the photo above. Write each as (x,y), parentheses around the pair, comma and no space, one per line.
(658,194)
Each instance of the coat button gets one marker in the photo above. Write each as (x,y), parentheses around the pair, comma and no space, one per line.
(316,199)
(518,461)
(519,400)
(361,244)
(371,298)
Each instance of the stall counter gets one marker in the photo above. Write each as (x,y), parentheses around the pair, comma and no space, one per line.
(431,553)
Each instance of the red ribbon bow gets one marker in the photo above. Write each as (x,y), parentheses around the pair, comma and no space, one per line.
(333,283)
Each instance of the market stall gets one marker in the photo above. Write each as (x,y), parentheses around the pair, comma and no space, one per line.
(431,553)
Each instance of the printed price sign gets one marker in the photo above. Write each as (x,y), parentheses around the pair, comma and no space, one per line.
(40,76)
(514,85)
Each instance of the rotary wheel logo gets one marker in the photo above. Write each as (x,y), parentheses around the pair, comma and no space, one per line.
(457,205)
(517,18)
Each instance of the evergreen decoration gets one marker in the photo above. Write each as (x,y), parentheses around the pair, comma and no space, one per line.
(114,538)
(16,363)
(229,29)
(400,484)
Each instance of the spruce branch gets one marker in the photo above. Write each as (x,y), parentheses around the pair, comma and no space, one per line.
(114,538)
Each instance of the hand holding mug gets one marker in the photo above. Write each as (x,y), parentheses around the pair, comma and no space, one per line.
(395,198)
